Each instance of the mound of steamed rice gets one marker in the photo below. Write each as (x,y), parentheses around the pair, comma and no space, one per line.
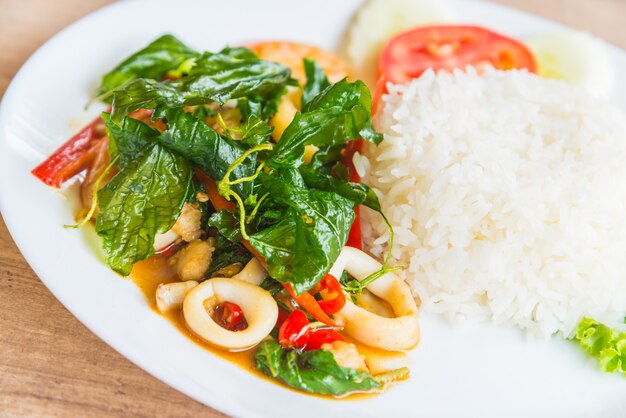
(507,194)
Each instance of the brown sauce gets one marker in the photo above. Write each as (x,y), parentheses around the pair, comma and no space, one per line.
(148,274)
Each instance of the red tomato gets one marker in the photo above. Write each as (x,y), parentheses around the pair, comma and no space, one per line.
(294,332)
(409,54)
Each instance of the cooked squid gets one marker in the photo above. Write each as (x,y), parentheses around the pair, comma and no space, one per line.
(259,308)
(398,333)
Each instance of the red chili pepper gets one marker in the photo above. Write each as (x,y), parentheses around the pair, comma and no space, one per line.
(331,305)
(321,336)
(354,237)
(312,306)
(70,159)
(230,316)
(282,316)
(294,332)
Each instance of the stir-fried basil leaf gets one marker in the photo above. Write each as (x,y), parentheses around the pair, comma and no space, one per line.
(213,153)
(142,200)
(358,193)
(338,114)
(131,140)
(227,224)
(226,253)
(234,73)
(255,131)
(229,74)
(313,371)
(144,93)
(316,81)
(154,61)
(301,248)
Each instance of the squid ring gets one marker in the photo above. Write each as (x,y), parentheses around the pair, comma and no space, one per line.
(259,308)
(399,333)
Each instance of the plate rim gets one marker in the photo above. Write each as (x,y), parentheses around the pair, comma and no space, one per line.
(216,402)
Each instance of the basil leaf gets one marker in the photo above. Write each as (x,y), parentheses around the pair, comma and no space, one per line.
(338,114)
(144,93)
(227,253)
(358,193)
(213,153)
(255,131)
(154,61)
(313,371)
(301,248)
(233,73)
(229,74)
(142,200)
(316,81)
(130,140)
(227,224)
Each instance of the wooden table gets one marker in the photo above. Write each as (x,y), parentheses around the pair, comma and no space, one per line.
(50,364)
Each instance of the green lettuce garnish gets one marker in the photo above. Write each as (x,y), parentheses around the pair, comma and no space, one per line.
(603,343)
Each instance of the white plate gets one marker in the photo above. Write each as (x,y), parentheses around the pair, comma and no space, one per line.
(481,371)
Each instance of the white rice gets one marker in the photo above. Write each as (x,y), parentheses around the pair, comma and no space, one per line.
(507,194)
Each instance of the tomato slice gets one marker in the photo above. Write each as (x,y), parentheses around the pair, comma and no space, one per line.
(408,54)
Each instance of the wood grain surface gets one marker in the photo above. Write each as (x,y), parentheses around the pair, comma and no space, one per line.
(50,364)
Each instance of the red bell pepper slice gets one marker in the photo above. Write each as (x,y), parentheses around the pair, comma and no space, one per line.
(331,286)
(71,158)
(294,332)
(320,336)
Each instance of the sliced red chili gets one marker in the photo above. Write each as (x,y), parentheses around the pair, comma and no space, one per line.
(230,316)
(294,332)
(352,147)
(312,306)
(334,299)
(320,336)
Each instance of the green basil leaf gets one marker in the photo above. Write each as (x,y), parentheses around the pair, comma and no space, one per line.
(358,193)
(338,114)
(130,140)
(214,78)
(255,131)
(301,248)
(144,93)
(142,200)
(154,61)
(226,253)
(227,224)
(234,73)
(313,371)
(316,81)
(205,148)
